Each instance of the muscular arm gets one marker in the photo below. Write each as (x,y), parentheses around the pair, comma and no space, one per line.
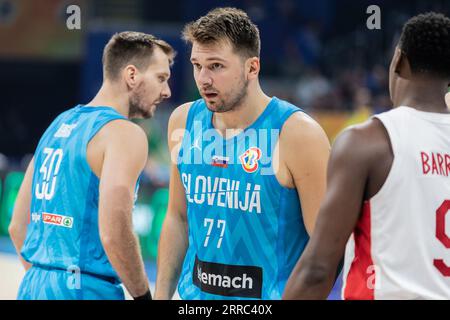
(21,214)
(305,149)
(348,171)
(124,158)
(173,242)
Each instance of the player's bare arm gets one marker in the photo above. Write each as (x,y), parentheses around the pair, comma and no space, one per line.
(124,157)
(174,238)
(304,152)
(21,214)
(354,157)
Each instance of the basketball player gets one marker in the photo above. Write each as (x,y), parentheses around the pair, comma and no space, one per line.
(389,186)
(72,220)
(235,217)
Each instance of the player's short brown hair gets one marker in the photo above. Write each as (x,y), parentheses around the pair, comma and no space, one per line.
(134,48)
(229,24)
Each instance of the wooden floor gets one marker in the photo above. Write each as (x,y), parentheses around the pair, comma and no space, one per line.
(12,272)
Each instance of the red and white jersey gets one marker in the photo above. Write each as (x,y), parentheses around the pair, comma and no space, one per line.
(400,248)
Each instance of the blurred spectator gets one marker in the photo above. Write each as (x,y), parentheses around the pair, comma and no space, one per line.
(311,86)
(318,54)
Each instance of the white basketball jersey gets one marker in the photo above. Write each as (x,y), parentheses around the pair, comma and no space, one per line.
(400,248)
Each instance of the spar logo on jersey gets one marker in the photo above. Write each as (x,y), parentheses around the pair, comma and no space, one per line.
(249,159)
(57,220)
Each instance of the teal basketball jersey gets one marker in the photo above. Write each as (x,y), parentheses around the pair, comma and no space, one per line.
(245,230)
(63,230)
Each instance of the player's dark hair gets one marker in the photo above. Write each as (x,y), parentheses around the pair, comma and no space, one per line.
(230,24)
(425,40)
(134,48)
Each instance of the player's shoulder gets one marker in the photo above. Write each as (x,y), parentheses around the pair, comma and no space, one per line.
(302,128)
(179,116)
(123,130)
(368,140)
(369,130)
(300,121)
(124,127)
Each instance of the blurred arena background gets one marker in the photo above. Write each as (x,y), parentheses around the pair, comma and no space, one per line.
(317,54)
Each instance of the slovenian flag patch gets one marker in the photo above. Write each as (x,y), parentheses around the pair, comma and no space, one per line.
(219,161)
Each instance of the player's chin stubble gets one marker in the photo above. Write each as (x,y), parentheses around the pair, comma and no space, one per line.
(233,103)
(138,109)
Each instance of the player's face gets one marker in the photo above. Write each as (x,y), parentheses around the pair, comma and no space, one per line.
(219,73)
(152,87)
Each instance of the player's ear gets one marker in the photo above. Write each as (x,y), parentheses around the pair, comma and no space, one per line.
(396,60)
(402,67)
(130,73)
(252,67)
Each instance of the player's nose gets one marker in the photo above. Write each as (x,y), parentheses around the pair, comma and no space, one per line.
(166,92)
(204,78)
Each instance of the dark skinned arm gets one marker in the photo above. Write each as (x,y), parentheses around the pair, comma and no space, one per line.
(353,155)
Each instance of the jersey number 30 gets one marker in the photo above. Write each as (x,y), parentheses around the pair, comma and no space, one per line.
(442,236)
(49,171)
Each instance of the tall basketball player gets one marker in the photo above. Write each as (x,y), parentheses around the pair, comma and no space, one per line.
(248,174)
(78,192)
(389,186)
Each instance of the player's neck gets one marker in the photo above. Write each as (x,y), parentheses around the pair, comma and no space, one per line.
(428,96)
(110,96)
(243,115)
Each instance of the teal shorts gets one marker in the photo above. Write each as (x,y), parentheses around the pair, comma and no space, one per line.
(55,284)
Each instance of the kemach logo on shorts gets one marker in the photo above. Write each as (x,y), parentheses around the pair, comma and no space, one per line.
(57,220)
(228,280)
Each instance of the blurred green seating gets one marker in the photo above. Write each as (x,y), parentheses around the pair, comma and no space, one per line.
(148,217)
(11,186)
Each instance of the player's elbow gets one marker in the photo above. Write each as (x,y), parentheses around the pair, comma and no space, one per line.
(109,242)
(109,238)
(316,276)
(308,283)
(113,239)
(14,230)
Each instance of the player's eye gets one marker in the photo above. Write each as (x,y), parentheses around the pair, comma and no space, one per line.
(216,66)
(197,66)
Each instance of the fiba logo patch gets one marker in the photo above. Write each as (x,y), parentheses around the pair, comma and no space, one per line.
(249,159)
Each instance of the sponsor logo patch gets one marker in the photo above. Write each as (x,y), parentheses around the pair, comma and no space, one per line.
(228,280)
(58,220)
